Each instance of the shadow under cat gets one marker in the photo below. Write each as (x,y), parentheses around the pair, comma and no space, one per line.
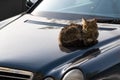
(77,46)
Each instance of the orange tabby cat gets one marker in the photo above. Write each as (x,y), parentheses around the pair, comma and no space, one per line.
(75,35)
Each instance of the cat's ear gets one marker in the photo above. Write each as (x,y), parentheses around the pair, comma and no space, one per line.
(94,20)
(84,21)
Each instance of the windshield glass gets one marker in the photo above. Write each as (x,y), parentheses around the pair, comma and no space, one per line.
(108,8)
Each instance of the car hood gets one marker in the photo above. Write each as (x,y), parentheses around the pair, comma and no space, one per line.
(30,43)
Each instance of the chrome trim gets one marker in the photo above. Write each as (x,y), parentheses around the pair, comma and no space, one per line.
(16,71)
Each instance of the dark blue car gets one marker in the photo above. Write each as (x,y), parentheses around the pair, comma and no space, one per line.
(30,50)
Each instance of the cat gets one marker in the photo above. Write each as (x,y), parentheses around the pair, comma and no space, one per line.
(76,35)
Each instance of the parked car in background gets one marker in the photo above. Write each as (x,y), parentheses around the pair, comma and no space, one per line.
(30,50)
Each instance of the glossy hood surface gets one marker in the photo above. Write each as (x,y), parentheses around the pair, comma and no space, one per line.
(31,42)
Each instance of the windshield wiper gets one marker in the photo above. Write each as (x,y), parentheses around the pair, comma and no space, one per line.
(111,21)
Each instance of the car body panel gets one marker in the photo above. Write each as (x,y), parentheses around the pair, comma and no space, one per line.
(30,44)
(112,73)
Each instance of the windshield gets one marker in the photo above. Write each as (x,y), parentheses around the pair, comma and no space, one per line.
(108,8)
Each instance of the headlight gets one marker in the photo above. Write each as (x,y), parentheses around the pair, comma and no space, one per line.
(49,78)
(74,74)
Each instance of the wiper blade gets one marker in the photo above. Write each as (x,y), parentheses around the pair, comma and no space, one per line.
(112,21)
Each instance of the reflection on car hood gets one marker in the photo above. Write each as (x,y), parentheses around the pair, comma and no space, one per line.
(32,42)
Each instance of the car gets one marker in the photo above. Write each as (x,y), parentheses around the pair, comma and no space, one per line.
(30,50)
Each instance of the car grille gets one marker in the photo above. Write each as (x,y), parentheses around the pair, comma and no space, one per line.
(14,74)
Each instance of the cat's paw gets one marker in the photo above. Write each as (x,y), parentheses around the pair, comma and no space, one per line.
(90,40)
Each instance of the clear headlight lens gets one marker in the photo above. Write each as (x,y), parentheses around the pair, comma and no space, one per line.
(49,78)
(74,74)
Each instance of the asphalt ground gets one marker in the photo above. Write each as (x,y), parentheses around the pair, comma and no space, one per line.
(9,8)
